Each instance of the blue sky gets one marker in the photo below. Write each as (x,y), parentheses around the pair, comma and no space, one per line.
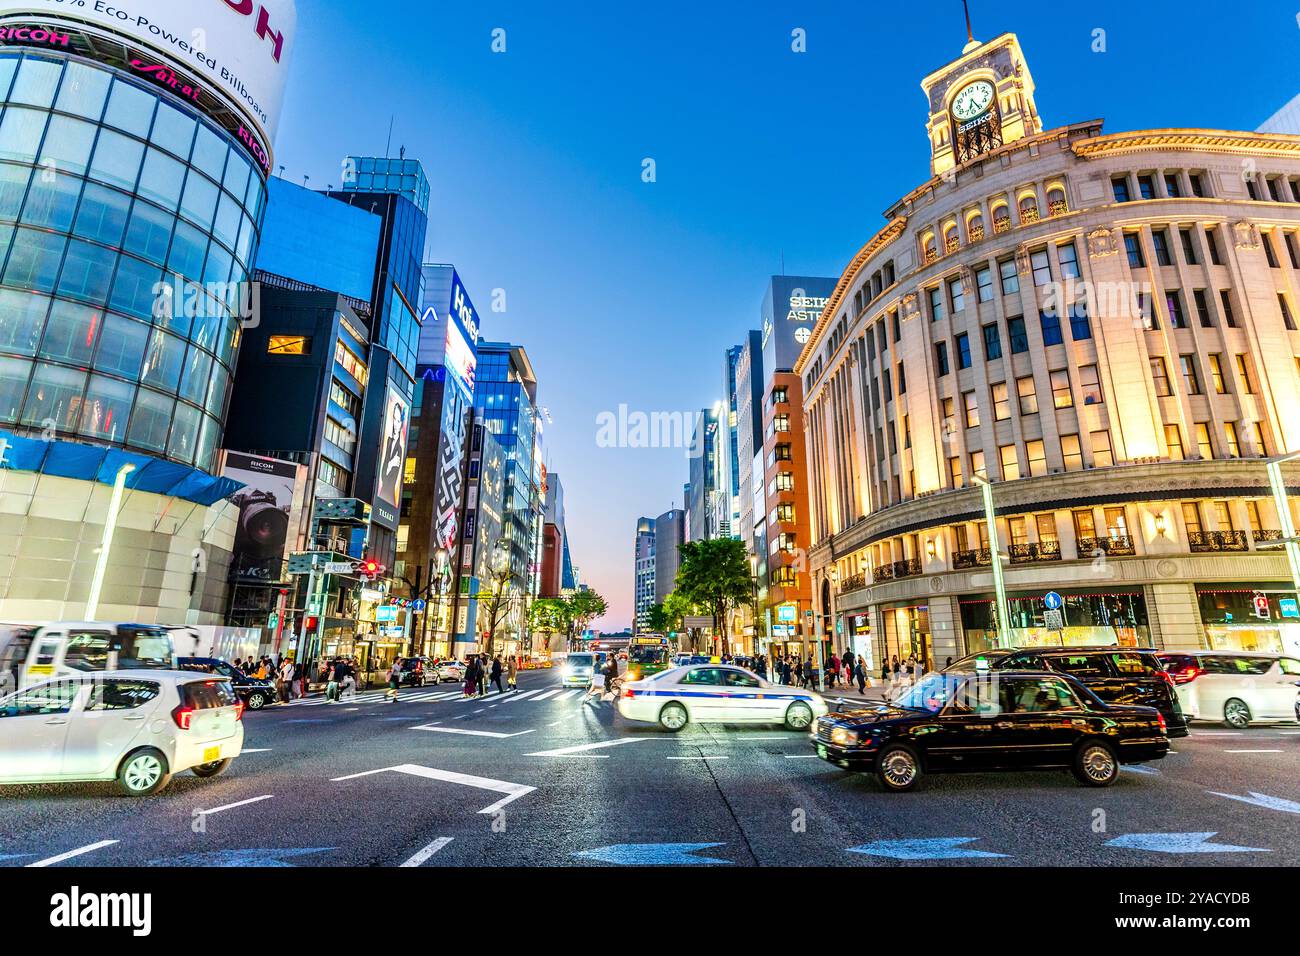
(629,292)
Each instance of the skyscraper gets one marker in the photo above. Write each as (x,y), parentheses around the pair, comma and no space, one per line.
(670,535)
(644,584)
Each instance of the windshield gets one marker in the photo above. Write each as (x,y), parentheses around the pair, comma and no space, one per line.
(932,694)
(648,655)
(580,660)
(145,649)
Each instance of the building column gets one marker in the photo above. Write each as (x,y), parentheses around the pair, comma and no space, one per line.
(1174,616)
(945,629)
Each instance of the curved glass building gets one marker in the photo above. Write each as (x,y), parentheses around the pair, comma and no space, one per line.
(128,224)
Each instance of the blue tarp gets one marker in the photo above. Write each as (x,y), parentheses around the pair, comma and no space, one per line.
(68,459)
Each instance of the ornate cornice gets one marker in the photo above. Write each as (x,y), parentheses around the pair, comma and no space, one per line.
(1198,140)
(884,237)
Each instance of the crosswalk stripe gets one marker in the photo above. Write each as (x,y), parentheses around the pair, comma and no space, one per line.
(549,693)
(526,694)
(568,694)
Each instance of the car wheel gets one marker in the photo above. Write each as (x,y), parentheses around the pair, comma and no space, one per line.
(798,716)
(143,772)
(1236,714)
(898,768)
(673,717)
(256,701)
(212,769)
(1095,764)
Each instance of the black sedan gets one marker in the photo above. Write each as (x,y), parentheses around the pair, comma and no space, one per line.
(998,720)
(255,693)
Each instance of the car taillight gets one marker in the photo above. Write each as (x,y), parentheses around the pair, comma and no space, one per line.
(182,715)
(239,710)
(1164,727)
(1187,676)
(629,693)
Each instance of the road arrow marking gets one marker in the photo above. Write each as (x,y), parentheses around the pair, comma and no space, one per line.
(470,733)
(1262,800)
(512,791)
(231,806)
(652,854)
(939,848)
(1179,843)
(583,748)
(428,851)
(241,859)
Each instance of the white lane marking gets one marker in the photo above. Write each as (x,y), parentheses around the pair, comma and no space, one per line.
(583,748)
(701,757)
(471,733)
(1253,751)
(549,693)
(51,860)
(1215,733)
(428,851)
(800,756)
(231,806)
(255,750)
(513,791)
(526,694)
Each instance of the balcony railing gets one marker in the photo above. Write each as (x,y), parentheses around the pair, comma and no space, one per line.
(1037,551)
(972,558)
(931,255)
(1203,541)
(1267,536)
(1118,544)
(951,245)
(855,582)
(1001,224)
(896,569)
(1029,214)
(976,233)
(1058,207)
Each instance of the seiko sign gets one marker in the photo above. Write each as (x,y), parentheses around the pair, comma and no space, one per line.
(237,47)
(806,308)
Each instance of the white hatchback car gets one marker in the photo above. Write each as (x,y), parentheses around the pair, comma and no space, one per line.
(449,671)
(717,693)
(136,727)
(1236,687)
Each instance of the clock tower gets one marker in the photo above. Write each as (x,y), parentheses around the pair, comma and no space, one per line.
(979,102)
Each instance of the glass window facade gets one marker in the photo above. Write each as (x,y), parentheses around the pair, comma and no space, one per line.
(111,200)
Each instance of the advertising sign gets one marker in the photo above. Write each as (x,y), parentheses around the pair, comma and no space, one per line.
(264,504)
(238,47)
(392,459)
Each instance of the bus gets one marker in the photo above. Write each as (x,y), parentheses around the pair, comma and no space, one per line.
(647,655)
(35,653)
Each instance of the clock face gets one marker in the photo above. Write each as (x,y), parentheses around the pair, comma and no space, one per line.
(974,100)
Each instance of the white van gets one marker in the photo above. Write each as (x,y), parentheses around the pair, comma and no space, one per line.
(33,654)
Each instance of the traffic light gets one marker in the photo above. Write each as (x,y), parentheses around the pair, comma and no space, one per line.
(370,568)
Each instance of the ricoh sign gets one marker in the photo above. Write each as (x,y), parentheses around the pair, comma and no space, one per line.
(240,48)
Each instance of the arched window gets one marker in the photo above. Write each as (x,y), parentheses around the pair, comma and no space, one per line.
(951,242)
(975,227)
(1001,219)
(1056,201)
(928,251)
(1028,209)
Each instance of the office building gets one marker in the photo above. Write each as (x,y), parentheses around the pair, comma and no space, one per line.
(644,583)
(670,535)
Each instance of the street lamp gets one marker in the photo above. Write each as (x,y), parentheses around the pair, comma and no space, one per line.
(1283,505)
(995,547)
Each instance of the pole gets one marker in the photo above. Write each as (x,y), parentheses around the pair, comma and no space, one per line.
(817,633)
(995,547)
(106,543)
(306,612)
(1287,526)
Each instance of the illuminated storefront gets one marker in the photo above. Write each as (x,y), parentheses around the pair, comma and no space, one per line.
(1260,618)
(1105,618)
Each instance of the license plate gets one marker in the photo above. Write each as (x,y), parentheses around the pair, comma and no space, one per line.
(821,751)
(211,753)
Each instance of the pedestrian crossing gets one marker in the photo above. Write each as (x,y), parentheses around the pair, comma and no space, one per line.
(423,696)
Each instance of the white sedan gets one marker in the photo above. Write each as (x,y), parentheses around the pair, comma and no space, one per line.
(136,727)
(717,693)
(449,671)
(1236,687)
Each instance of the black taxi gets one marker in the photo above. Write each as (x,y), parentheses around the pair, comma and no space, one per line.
(980,721)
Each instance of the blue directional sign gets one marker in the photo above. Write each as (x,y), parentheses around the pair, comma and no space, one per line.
(938,848)
(652,854)
(1052,601)
(1179,843)
(418,605)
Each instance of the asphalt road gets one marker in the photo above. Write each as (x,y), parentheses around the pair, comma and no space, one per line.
(542,779)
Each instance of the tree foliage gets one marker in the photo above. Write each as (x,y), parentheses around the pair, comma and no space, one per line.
(715,576)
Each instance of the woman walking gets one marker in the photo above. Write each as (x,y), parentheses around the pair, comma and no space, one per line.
(496,673)
(394,680)
(512,674)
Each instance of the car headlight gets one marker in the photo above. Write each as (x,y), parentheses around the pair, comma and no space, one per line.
(844,737)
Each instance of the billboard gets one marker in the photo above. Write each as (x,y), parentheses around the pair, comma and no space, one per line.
(392,459)
(791,307)
(460,359)
(240,48)
(264,503)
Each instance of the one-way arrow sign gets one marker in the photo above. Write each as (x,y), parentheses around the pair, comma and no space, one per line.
(938,848)
(1179,843)
(652,854)
(1262,800)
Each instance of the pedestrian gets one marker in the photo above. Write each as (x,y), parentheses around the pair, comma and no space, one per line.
(512,674)
(947,663)
(798,672)
(917,670)
(332,687)
(286,680)
(597,686)
(496,673)
(394,680)
(860,675)
(482,675)
(834,668)
(471,678)
(349,685)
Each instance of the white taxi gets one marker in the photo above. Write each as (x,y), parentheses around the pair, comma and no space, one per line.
(135,727)
(714,693)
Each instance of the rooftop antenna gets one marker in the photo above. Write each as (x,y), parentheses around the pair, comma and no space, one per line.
(388,146)
(971,42)
(305,179)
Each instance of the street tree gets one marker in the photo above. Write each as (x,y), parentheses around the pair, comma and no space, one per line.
(584,607)
(715,575)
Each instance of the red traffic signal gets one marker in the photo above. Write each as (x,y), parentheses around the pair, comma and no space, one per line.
(370,568)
